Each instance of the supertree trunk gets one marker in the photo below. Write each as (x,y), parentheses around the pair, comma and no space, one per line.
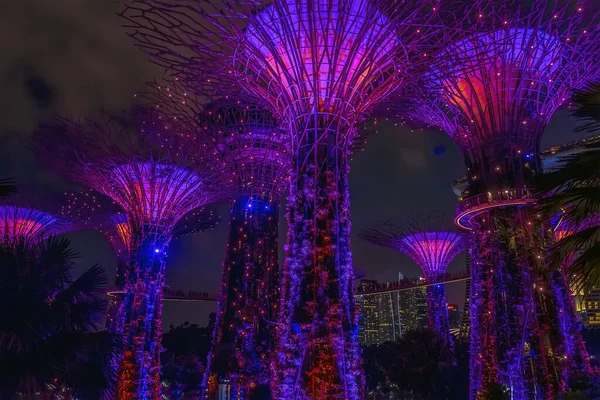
(437,312)
(248,301)
(139,371)
(510,331)
(114,318)
(318,355)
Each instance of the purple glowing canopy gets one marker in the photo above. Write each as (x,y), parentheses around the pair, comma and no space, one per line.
(115,154)
(338,65)
(504,81)
(431,251)
(243,138)
(425,239)
(160,193)
(34,214)
(27,223)
(512,76)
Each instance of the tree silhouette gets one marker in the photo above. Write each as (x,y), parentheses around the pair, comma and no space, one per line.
(48,322)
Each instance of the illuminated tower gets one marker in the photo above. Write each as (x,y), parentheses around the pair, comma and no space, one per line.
(251,150)
(431,250)
(155,187)
(319,65)
(494,93)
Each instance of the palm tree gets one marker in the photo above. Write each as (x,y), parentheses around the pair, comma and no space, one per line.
(574,190)
(418,365)
(588,108)
(48,322)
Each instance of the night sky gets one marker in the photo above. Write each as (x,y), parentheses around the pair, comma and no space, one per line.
(66,56)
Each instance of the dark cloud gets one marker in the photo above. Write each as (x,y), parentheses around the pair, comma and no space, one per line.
(39,89)
(64,56)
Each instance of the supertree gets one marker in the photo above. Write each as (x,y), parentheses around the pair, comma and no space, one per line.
(432,248)
(105,216)
(248,146)
(155,186)
(494,93)
(31,216)
(319,65)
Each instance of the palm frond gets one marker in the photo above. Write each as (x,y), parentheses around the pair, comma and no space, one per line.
(55,261)
(575,242)
(573,171)
(581,203)
(588,108)
(80,305)
(584,272)
(47,321)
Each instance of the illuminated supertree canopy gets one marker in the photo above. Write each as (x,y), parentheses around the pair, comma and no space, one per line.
(34,215)
(251,150)
(431,249)
(493,92)
(99,213)
(319,65)
(155,186)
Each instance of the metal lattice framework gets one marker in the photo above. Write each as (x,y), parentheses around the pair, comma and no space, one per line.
(249,148)
(100,213)
(319,65)
(242,137)
(22,222)
(156,187)
(431,248)
(34,214)
(494,92)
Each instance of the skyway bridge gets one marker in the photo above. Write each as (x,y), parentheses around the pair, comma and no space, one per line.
(401,286)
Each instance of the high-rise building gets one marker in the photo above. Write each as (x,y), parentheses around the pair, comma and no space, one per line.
(455,316)
(386,316)
(592,308)
(389,320)
(368,306)
(413,309)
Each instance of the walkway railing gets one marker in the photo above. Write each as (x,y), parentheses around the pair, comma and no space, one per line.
(472,206)
(400,286)
(177,295)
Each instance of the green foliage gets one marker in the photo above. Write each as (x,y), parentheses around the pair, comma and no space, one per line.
(186,347)
(48,322)
(574,189)
(419,363)
(588,110)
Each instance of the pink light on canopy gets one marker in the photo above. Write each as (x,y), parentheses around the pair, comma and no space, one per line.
(507,81)
(27,223)
(160,193)
(320,65)
(34,214)
(431,251)
(337,66)
(425,239)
